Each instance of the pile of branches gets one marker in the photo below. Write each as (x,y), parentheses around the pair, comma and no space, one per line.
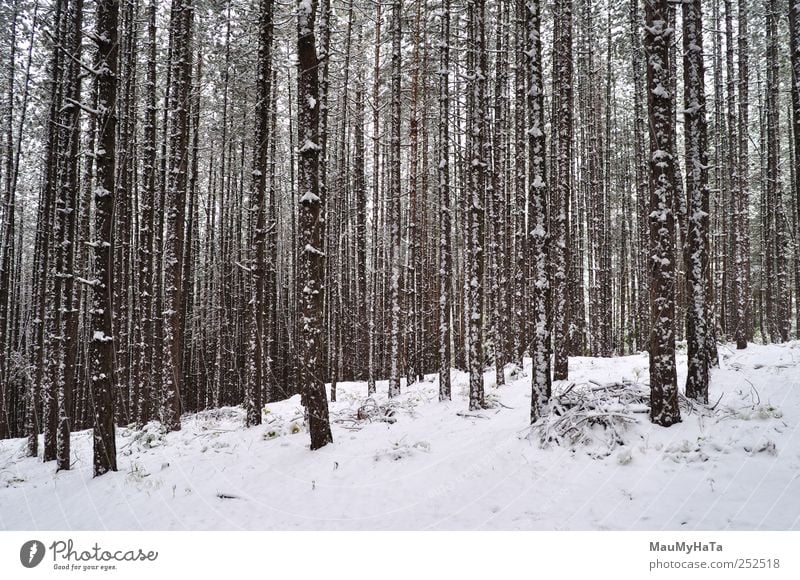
(369,411)
(581,414)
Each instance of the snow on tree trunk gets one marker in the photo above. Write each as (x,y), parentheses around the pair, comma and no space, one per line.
(445,206)
(519,296)
(742,238)
(7,233)
(538,222)
(778,297)
(794,51)
(258,269)
(66,215)
(559,248)
(147,226)
(663,381)
(794,44)
(373,294)
(394,216)
(476,183)
(102,346)
(181,24)
(496,200)
(642,221)
(696,148)
(312,256)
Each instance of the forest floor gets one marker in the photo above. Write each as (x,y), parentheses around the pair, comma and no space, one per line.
(418,464)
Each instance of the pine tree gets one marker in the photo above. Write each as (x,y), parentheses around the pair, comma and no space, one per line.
(372,354)
(540,376)
(66,218)
(742,248)
(663,381)
(148,223)
(258,330)
(181,66)
(394,214)
(697,321)
(102,346)
(476,149)
(562,192)
(445,206)
(641,171)
(794,50)
(312,256)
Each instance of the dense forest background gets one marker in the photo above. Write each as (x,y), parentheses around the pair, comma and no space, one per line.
(224,202)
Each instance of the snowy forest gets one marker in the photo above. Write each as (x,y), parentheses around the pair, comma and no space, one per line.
(216,206)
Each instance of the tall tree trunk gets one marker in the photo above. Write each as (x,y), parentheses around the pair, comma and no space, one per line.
(258,198)
(540,355)
(663,381)
(742,249)
(7,229)
(312,255)
(66,216)
(794,50)
(476,160)
(520,260)
(559,250)
(779,236)
(643,238)
(148,223)
(394,204)
(696,148)
(102,348)
(46,290)
(445,205)
(175,212)
(373,295)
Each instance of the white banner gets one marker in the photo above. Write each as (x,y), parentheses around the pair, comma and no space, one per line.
(388,555)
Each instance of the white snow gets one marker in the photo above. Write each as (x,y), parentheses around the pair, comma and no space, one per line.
(431,465)
(309,197)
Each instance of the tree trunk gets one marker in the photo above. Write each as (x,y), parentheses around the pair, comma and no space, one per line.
(394,205)
(663,381)
(312,255)
(696,148)
(102,349)
(540,355)
(445,207)
(559,250)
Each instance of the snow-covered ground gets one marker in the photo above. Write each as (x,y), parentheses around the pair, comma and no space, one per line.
(431,465)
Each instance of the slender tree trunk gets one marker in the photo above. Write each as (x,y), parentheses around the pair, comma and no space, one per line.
(641,170)
(540,355)
(663,381)
(781,296)
(445,207)
(394,204)
(312,255)
(559,250)
(258,268)
(520,261)
(7,230)
(794,50)
(183,13)
(696,147)
(46,289)
(373,295)
(66,214)
(102,348)
(477,162)
(742,249)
